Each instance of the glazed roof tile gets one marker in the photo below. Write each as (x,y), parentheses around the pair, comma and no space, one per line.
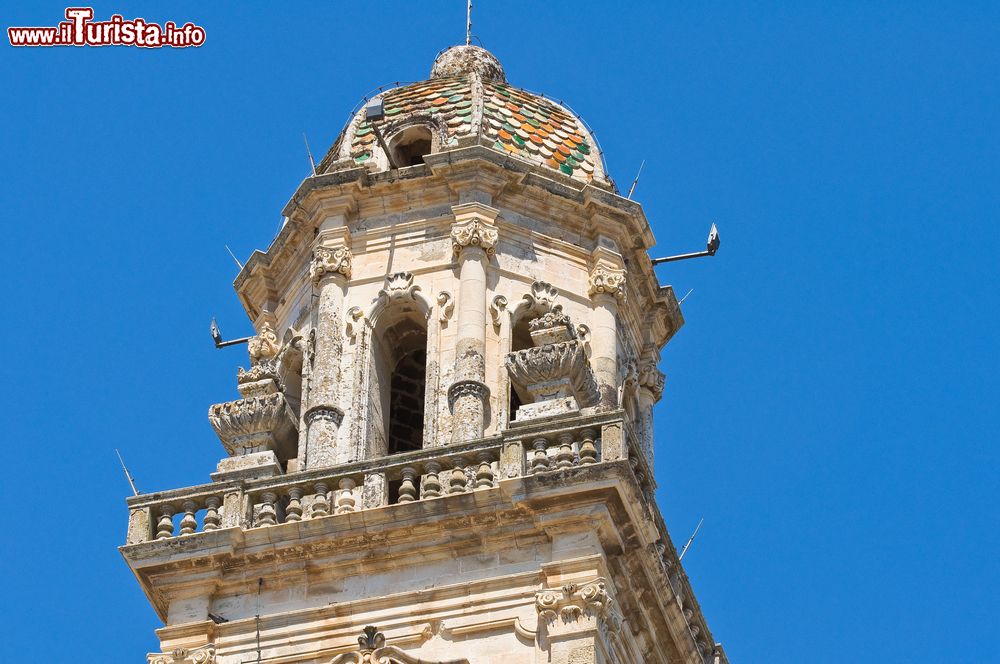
(523,124)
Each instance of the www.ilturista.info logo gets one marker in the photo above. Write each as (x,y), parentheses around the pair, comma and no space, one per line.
(80,30)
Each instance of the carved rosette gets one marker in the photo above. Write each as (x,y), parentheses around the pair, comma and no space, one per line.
(604,279)
(474,233)
(330,260)
(247,425)
(652,379)
(202,655)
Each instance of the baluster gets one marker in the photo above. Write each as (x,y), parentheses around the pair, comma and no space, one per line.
(408,487)
(430,487)
(294,510)
(459,479)
(484,474)
(564,456)
(321,504)
(540,462)
(189,523)
(165,524)
(212,518)
(345,498)
(267,516)
(588,451)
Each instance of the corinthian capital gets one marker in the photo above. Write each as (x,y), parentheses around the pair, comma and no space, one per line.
(474,233)
(330,260)
(604,279)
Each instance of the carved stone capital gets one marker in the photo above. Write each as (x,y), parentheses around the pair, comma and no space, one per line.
(330,260)
(604,279)
(202,655)
(576,606)
(474,233)
(464,388)
(324,413)
(652,379)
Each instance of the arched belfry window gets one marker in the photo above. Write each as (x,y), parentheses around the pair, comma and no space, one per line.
(406,343)
(399,358)
(409,146)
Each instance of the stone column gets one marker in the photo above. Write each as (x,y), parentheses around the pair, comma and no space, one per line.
(330,271)
(651,382)
(474,239)
(607,292)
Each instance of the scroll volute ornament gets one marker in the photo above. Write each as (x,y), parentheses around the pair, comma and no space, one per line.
(330,260)
(202,655)
(604,279)
(474,233)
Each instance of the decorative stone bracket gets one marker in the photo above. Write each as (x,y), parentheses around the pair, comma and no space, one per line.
(202,655)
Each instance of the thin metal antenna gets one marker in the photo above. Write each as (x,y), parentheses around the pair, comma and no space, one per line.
(312,164)
(686,546)
(468,24)
(235,259)
(128,475)
(686,296)
(636,180)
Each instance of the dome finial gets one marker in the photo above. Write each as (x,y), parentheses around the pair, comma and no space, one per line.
(468,25)
(468,59)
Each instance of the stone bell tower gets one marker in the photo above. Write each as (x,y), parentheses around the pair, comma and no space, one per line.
(442,448)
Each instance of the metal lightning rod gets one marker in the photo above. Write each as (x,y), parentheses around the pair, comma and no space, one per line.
(128,475)
(686,546)
(636,180)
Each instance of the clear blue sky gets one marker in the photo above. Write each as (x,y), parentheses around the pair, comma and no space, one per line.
(831,403)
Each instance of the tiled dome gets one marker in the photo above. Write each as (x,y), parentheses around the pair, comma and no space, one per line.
(467,95)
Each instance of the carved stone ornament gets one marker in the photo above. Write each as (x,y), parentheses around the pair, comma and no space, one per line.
(330,260)
(535,369)
(446,304)
(261,379)
(563,608)
(652,379)
(203,655)
(373,650)
(552,327)
(498,305)
(264,346)
(542,298)
(607,280)
(253,424)
(474,233)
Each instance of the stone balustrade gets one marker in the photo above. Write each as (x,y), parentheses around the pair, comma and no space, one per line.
(438,472)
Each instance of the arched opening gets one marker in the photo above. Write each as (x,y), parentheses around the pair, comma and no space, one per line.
(401,374)
(409,146)
(520,338)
